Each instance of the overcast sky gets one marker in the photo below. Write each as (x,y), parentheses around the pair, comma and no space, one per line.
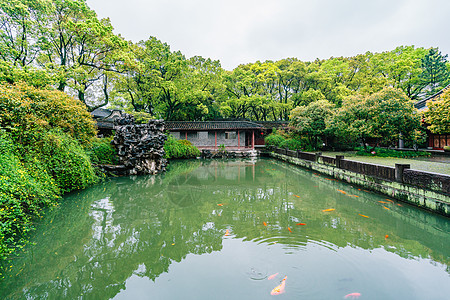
(244,31)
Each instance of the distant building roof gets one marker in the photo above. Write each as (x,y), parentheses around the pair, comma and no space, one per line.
(105,117)
(212,125)
(422,104)
(100,113)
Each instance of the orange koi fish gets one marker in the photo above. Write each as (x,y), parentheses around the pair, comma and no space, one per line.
(386,207)
(289,228)
(363,216)
(354,196)
(272,276)
(220,204)
(279,289)
(399,204)
(390,200)
(264,223)
(329,209)
(297,196)
(300,224)
(352,296)
(386,236)
(227,232)
(342,192)
(383,202)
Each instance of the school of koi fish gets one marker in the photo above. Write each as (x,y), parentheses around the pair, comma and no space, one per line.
(280,289)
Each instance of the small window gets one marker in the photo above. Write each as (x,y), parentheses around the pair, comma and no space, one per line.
(230,135)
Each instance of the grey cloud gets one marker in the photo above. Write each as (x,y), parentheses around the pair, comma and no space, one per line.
(243,31)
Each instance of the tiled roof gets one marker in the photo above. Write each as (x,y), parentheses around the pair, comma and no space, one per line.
(422,104)
(273,124)
(101,112)
(212,125)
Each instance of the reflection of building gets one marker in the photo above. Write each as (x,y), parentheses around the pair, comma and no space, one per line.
(104,119)
(435,141)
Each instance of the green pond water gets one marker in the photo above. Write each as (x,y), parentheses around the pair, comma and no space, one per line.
(165,237)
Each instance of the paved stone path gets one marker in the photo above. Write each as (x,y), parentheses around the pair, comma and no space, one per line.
(436,164)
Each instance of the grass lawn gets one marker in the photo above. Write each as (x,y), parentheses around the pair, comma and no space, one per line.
(437,164)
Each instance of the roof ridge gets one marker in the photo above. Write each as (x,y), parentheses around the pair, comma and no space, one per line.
(435,94)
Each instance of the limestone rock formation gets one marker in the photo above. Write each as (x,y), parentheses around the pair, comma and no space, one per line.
(140,146)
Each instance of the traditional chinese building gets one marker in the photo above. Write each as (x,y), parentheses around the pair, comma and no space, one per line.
(435,141)
(233,135)
(104,119)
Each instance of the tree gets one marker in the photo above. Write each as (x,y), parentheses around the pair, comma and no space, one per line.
(309,122)
(65,39)
(438,114)
(167,85)
(402,68)
(204,78)
(384,116)
(435,74)
(20,38)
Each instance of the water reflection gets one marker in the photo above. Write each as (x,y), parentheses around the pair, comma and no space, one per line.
(137,227)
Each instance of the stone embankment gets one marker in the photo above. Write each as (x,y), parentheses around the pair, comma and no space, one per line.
(427,190)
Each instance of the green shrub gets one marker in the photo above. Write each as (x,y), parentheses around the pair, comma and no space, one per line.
(24,190)
(292,144)
(101,152)
(185,142)
(140,117)
(382,152)
(179,148)
(65,160)
(281,141)
(26,111)
(40,156)
(274,139)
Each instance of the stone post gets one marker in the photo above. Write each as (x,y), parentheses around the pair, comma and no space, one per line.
(399,168)
(338,160)
(401,143)
(317,155)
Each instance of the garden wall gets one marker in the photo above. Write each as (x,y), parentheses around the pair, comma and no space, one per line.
(427,190)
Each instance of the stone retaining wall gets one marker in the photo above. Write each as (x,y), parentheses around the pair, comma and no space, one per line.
(427,190)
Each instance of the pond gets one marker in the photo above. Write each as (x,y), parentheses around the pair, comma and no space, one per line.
(233,230)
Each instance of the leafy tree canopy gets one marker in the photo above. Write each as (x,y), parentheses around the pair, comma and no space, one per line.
(384,116)
(438,114)
(63,44)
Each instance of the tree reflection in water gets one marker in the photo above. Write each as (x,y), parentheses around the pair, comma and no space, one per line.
(99,237)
